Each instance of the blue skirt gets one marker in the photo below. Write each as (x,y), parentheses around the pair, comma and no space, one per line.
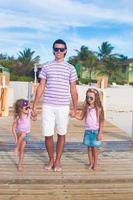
(26,137)
(90,138)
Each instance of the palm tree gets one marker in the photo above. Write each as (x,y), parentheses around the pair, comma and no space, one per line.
(88,60)
(3,56)
(27,61)
(105,50)
(110,64)
(111,68)
(8,61)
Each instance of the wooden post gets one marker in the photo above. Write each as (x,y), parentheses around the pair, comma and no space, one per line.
(4,103)
(4,82)
(102,82)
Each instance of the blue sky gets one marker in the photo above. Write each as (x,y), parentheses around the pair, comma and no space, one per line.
(36,24)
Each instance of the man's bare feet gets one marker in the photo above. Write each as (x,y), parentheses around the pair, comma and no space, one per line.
(57,166)
(57,169)
(50,165)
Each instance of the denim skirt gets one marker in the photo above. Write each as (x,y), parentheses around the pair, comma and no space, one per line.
(26,137)
(90,138)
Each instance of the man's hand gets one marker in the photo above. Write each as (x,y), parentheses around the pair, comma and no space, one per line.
(72,112)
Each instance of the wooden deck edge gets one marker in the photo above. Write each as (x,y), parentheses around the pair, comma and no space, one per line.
(66,181)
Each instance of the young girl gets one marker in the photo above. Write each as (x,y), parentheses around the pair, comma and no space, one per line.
(94,118)
(21,128)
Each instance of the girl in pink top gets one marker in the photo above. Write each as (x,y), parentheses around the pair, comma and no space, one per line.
(93,115)
(21,128)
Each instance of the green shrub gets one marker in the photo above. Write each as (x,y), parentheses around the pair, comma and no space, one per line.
(15,77)
(121,82)
(86,81)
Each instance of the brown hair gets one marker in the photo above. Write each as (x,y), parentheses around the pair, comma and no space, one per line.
(97,103)
(18,107)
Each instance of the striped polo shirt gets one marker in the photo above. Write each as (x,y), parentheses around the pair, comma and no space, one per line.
(58,76)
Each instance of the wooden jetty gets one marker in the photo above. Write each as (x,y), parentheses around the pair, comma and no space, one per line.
(113,179)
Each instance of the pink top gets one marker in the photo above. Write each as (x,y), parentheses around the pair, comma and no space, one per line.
(91,121)
(24,123)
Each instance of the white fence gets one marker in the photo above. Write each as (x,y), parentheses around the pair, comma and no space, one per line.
(119,107)
(19,90)
(24,90)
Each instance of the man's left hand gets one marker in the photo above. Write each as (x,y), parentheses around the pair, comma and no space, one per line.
(72,112)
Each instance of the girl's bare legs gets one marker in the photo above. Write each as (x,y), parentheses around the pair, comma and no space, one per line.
(90,156)
(95,156)
(21,155)
(20,139)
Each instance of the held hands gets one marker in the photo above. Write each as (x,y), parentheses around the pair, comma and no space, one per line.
(79,115)
(34,112)
(72,112)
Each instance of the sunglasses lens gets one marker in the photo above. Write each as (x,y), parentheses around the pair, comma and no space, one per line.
(89,98)
(61,49)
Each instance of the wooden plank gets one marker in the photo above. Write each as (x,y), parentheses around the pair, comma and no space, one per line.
(113,180)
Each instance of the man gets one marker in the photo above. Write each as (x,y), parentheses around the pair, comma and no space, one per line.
(57,79)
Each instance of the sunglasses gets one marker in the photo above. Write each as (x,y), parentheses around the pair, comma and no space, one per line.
(61,49)
(89,98)
(27,107)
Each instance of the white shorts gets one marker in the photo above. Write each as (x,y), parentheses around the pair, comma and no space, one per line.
(54,119)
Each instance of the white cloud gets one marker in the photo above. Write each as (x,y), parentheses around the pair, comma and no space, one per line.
(42,15)
(53,19)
